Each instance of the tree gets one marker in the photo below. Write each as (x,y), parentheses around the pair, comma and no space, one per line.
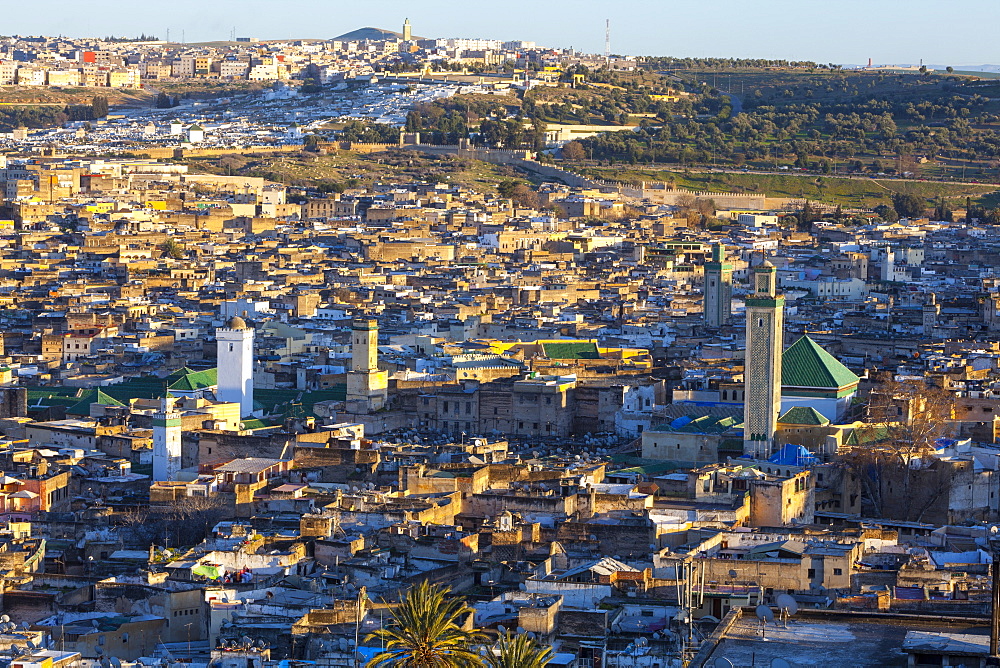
(950,69)
(903,421)
(172,249)
(518,651)
(574,151)
(886,212)
(425,631)
(311,142)
(525,197)
(163,101)
(99,106)
(909,206)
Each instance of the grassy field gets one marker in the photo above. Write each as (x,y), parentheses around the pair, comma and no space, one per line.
(350,169)
(861,193)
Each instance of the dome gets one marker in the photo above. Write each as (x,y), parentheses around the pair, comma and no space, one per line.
(236,322)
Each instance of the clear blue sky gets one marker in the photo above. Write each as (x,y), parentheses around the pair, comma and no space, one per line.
(958,32)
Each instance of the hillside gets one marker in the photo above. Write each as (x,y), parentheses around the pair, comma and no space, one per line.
(370,33)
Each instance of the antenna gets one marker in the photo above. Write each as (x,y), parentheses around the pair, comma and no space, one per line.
(765,615)
(607,41)
(787,607)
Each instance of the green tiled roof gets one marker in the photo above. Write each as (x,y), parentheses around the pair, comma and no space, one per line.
(195,380)
(805,364)
(805,415)
(865,435)
(571,350)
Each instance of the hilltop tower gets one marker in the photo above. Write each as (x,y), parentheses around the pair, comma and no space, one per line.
(762,363)
(367,387)
(235,361)
(166,441)
(407,32)
(718,292)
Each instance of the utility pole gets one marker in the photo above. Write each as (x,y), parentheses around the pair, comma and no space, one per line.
(607,42)
(994,595)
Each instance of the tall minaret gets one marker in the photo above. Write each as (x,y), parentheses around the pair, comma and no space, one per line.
(718,292)
(367,387)
(931,311)
(166,441)
(235,361)
(407,34)
(762,363)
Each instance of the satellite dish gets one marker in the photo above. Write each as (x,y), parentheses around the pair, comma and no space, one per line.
(787,604)
(778,662)
(502,630)
(723,662)
(116,662)
(733,574)
(642,642)
(520,631)
(4,619)
(764,613)
(31,645)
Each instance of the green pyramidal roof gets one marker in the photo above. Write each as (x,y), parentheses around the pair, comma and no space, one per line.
(193,380)
(804,415)
(805,364)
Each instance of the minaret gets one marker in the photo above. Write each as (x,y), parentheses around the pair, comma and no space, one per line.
(931,311)
(367,387)
(166,441)
(718,292)
(235,361)
(407,34)
(762,363)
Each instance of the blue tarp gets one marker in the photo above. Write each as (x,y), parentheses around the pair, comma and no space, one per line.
(793,455)
(680,422)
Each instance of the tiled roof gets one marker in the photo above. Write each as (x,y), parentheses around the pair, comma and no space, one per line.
(195,380)
(806,415)
(805,364)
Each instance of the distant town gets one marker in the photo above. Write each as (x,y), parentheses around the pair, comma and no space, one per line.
(397,351)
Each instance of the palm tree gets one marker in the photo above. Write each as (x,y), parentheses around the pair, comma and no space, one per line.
(425,632)
(517,651)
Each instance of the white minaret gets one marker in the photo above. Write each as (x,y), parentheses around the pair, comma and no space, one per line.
(762,363)
(235,361)
(166,441)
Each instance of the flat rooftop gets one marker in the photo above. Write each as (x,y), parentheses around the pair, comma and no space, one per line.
(818,639)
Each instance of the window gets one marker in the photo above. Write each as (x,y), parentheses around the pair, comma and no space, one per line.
(837,571)
(230,347)
(811,573)
(468,408)
(444,407)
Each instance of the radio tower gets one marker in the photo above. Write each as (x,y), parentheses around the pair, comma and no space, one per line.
(607,41)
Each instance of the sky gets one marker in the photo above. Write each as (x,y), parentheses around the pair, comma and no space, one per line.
(958,32)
